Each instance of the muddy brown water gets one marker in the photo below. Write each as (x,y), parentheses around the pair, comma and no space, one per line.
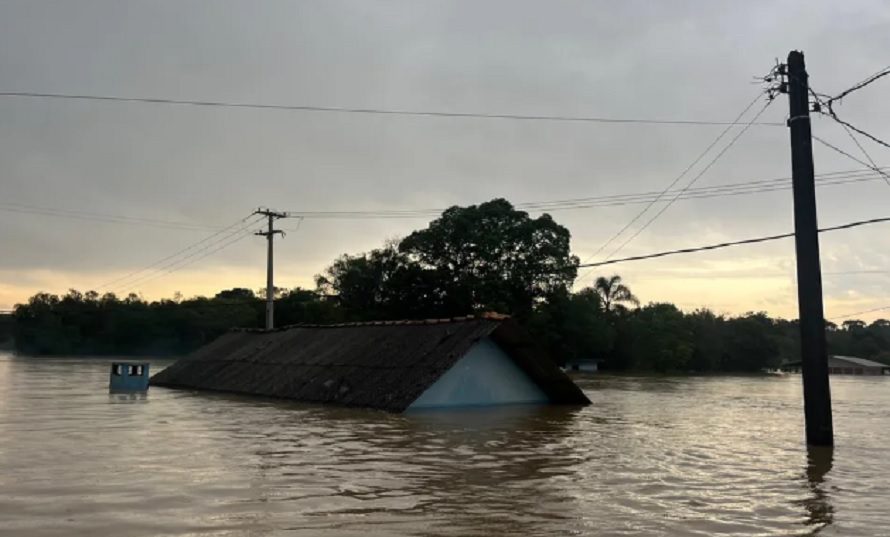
(652,456)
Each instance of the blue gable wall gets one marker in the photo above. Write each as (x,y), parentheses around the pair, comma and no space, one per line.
(484,376)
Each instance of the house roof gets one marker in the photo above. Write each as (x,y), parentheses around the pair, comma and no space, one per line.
(384,365)
(862,362)
(851,360)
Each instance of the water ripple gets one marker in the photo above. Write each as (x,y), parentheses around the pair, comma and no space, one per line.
(651,456)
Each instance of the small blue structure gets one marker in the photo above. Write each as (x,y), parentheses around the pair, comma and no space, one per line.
(127,377)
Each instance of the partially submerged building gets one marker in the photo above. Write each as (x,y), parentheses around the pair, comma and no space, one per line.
(846,365)
(392,365)
(583,365)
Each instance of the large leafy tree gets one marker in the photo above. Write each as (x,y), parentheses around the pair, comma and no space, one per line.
(382,283)
(492,256)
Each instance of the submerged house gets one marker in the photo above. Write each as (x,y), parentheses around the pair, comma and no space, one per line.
(846,365)
(391,365)
(583,365)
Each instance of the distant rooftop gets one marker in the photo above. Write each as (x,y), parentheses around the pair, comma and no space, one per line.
(851,360)
(859,361)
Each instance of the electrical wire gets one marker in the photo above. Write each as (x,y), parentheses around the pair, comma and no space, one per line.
(377,111)
(858,313)
(860,131)
(674,181)
(718,246)
(883,72)
(617,200)
(175,254)
(176,264)
(851,157)
(23,208)
(186,262)
(845,272)
(692,182)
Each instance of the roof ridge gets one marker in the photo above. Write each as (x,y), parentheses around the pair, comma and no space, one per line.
(482,316)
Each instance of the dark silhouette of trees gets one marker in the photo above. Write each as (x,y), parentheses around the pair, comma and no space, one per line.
(491,256)
(470,259)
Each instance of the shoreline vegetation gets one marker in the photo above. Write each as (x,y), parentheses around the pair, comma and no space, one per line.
(487,257)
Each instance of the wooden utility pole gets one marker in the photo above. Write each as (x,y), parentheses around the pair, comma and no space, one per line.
(270,286)
(813,347)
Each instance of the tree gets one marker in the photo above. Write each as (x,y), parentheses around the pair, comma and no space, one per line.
(492,257)
(371,285)
(656,337)
(613,293)
(573,326)
(236,293)
(751,343)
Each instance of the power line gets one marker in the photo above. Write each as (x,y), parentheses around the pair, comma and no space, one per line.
(728,244)
(676,180)
(687,250)
(845,272)
(860,131)
(176,264)
(858,313)
(786,180)
(851,157)
(612,200)
(821,106)
(692,182)
(883,72)
(615,200)
(238,236)
(23,208)
(173,255)
(377,111)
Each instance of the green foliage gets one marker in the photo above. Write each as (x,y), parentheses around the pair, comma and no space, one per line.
(491,256)
(482,257)
(574,326)
(7,328)
(657,338)
(856,338)
(86,323)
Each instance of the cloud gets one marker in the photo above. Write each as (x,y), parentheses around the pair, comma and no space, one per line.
(213,166)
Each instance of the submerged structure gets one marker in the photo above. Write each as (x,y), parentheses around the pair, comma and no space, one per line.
(128,377)
(845,365)
(390,365)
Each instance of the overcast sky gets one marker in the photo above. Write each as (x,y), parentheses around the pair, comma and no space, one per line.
(212,166)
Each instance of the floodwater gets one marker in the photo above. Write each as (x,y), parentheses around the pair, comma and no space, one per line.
(652,456)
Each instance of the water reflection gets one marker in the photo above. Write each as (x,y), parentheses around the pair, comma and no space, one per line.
(820,511)
(123,396)
(475,469)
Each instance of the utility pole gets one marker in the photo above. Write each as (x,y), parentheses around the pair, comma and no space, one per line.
(813,347)
(270,233)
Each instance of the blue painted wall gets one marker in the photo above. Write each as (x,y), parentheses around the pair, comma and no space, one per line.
(484,376)
(128,377)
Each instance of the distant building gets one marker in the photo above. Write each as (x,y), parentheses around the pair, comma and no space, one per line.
(586,365)
(394,366)
(846,365)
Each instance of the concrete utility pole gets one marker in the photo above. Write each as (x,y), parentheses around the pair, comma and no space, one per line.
(270,286)
(813,347)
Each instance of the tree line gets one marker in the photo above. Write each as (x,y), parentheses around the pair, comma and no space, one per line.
(486,257)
